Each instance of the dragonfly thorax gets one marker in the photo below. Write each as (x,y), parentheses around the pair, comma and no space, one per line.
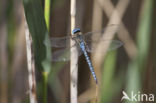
(76,33)
(76,30)
(77,37)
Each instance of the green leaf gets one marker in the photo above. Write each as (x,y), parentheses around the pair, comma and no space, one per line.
(37,27)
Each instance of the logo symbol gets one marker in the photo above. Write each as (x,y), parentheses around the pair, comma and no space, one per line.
(125,96)
(137,96)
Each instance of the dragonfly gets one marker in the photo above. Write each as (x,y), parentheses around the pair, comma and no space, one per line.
(83,43)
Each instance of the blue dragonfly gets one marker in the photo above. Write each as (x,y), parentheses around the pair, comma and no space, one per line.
(83,43)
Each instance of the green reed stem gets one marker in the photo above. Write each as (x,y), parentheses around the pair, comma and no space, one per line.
(47,12)
(45,73)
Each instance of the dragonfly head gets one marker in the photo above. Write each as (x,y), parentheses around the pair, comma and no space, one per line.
(75,31)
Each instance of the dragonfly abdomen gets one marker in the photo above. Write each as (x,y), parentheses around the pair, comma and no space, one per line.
(88,61)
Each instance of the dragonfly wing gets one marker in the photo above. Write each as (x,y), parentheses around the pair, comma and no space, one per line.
(114,44)
(111,28)
(59,41)
(64,54)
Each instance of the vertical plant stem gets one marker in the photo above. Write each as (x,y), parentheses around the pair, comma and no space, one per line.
(143,33)
(74,57)
(107,78)
(97,19)
(31,67)
(45,74)
(47,13)
(45,81)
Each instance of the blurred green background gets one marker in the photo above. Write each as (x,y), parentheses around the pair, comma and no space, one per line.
(130,68)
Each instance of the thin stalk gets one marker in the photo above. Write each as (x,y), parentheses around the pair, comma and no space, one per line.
(45,82)
(47,13)
(107,78)
(74,58)
(31,67)
(45,73)
(143,33)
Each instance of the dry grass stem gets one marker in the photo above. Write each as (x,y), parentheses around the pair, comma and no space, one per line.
(97,19)
(123,33)
(31,66)
(115,18)
(74,58)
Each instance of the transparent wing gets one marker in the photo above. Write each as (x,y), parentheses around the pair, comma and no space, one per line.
(59,41)
(64,54)
(111,28)
(114,44)
(65,41)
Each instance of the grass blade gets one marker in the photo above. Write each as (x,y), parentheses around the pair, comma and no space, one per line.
(37,27)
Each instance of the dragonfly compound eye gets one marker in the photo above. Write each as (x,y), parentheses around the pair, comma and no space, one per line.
(76,30)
